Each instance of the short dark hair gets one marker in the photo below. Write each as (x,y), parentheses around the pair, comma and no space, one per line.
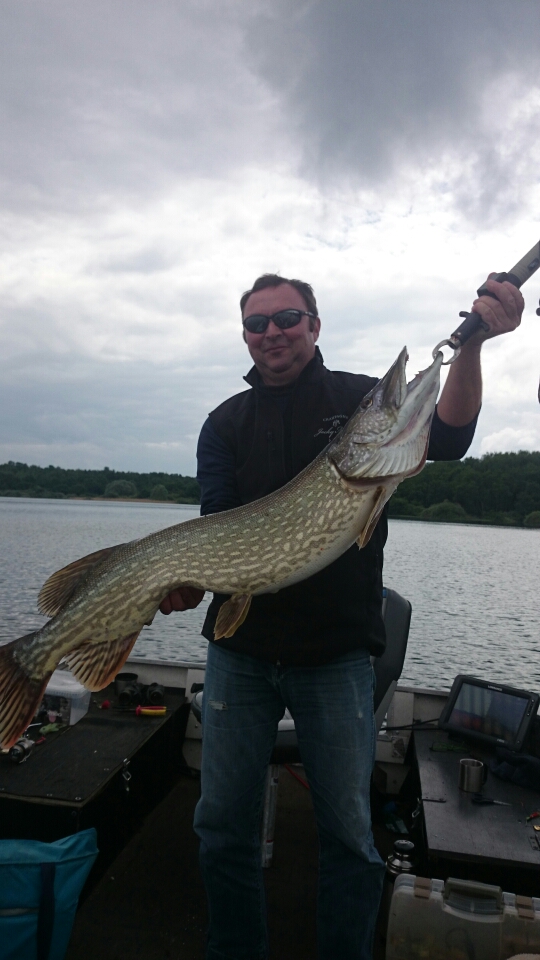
(275,280)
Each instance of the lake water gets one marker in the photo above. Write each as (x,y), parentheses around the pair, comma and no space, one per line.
(474,590)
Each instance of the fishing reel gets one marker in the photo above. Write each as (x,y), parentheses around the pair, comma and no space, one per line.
(21,750)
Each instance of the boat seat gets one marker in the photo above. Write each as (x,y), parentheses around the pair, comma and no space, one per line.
(397,618)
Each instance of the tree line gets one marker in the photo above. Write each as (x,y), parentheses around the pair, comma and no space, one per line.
(21,480)
(501,488)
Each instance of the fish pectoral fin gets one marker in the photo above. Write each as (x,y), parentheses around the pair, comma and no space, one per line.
(382,495)
(231,615)
(96,664)
(57,590)
(20,693)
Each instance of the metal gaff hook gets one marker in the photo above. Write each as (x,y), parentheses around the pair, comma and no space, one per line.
(455,346)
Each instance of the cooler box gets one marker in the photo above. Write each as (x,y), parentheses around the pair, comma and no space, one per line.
(459,920)
(67,696)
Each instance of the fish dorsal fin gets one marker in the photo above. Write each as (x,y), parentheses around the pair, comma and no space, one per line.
(57,590)
(95,664)
(231,615)
(383,494)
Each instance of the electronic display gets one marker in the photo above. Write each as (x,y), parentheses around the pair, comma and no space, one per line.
(489,711)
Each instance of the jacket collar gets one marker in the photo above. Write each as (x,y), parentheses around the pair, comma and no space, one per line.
(312,372)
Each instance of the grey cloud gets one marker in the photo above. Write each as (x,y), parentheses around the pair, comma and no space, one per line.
(102,99)
(106,100)
(376,86)
(149,260)
(129,414)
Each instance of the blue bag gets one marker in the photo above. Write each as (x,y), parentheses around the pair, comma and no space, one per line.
(40,885)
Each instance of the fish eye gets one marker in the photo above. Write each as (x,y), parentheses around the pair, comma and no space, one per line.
(366,403)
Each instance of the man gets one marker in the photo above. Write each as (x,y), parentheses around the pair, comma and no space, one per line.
(308,647)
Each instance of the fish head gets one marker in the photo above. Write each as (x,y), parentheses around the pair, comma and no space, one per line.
(389,432)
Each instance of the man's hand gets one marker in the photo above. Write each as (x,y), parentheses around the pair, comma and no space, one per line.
(183,598)
(461,397)
(502,315)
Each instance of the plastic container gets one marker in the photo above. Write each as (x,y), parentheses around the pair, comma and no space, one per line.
(67,696)
(459,919)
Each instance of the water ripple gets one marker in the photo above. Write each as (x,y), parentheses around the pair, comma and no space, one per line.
(474,588)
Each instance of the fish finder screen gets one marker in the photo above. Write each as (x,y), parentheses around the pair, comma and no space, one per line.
(488,712)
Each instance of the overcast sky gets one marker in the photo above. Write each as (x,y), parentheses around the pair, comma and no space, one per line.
(158,156)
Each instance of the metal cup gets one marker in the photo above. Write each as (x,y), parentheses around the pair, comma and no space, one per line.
(472,775)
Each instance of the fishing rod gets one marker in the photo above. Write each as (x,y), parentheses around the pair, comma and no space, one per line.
(472,322)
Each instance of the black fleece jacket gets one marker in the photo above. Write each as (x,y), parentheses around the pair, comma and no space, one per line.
(250,446)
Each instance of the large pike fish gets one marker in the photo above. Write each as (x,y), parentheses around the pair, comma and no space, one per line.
(99,604)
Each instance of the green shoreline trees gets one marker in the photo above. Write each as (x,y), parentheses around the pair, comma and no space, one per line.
(20,480)
(499,488)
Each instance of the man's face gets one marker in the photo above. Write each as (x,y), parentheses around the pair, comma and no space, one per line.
(280,355)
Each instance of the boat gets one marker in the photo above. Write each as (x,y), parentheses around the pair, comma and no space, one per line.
(144,896)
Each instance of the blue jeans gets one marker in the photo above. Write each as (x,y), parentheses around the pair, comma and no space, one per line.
(332,706)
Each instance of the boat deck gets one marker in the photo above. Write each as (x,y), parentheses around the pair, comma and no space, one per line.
(144,897)
(150,903)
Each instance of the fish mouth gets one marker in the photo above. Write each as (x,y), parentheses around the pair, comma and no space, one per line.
(388,436)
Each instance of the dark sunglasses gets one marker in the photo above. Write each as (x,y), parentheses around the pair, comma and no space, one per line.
(284,319)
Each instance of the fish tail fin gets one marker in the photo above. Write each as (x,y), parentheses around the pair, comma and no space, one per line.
(20,693)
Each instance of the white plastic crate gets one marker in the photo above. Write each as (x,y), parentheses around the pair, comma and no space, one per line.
(459,919)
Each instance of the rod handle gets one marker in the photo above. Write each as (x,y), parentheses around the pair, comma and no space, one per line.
(520,272)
